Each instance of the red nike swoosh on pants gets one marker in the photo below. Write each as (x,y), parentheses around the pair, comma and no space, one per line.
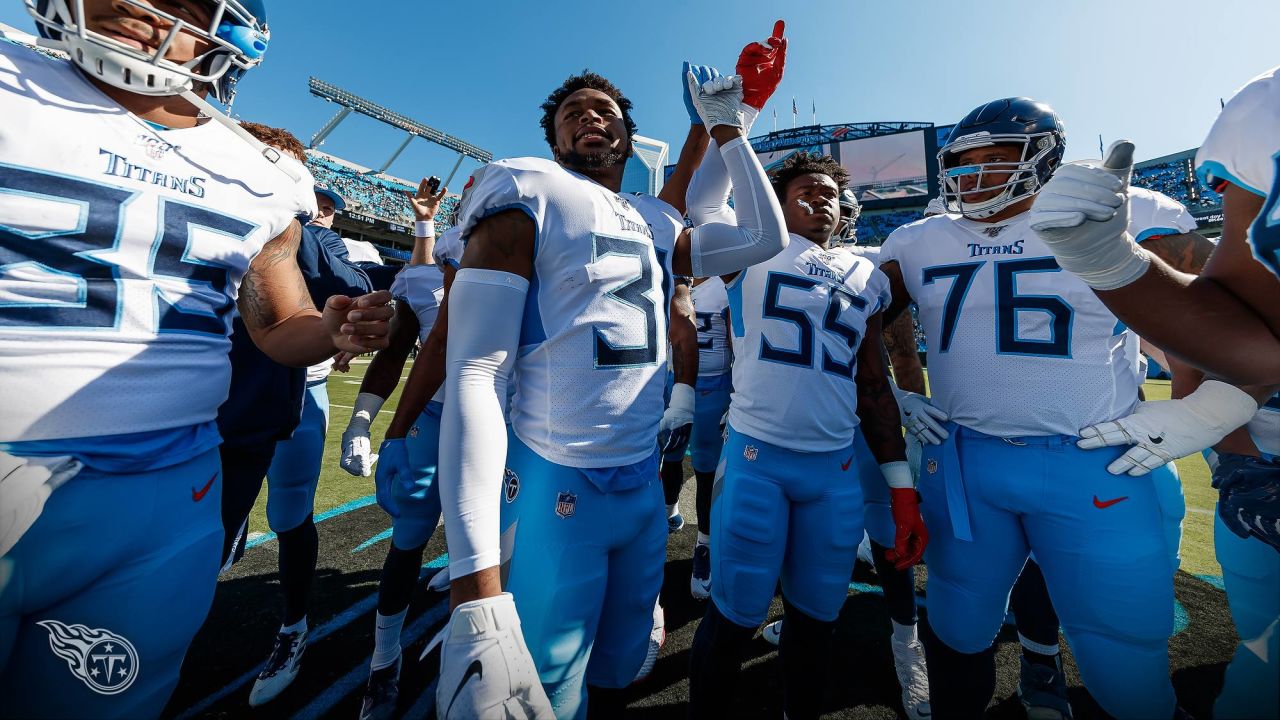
(198,495)
(845,465)
(1101,504)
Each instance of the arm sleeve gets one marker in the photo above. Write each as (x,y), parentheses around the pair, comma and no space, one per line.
(473,433)
(707,199)
(1153,214)
(721,248)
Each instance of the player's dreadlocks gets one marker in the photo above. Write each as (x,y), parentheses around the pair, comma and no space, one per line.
(574,83)
(804,163)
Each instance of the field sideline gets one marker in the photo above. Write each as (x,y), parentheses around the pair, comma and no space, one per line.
(236,639)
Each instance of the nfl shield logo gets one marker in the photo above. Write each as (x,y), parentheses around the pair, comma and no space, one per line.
(413,431)
(932,467)
(750,452)
(510,484)
(566,503)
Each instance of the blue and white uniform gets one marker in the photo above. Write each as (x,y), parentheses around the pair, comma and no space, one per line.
(1021,356)
(422,287)
(1244,148)
(121,250)
(787,503)
(582,502)
(294,473)
(715,360)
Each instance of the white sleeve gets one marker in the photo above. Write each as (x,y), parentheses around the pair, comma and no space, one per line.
(1153,214)
(1243,140)
(707,199)
(720,248)
(473,433)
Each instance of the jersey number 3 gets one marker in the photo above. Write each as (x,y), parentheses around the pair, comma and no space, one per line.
(93,290)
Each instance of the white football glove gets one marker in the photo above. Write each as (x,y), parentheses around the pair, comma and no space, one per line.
(1082,214)
(1165,430)
(677,421)
(25,484)
(921,418)
(358,456)
(485,667)
(719,100)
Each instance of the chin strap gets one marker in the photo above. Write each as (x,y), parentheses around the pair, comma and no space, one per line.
(271,154)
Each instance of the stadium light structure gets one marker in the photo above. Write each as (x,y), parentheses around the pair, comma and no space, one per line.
(818,134)
(351,102)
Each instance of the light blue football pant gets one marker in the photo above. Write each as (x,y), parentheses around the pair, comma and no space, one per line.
(419,500)
(132,555)
(710,403)
(1251,576)
(585,569)
(295,467)
(1100,540)
(782,514)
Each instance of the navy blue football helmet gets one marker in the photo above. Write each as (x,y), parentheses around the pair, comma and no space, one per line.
(237,36)
(850,210)
(1011,121)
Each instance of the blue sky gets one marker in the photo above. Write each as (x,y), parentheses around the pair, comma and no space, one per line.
(1145,69)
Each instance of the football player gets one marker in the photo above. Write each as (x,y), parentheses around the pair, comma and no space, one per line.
(582,501)
(273,425)
(898,584)
(1225,322)
(994,305)
(715,358)
(409,494)
(786,506)
(130,227)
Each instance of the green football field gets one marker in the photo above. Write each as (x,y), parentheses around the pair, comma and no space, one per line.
(337,487)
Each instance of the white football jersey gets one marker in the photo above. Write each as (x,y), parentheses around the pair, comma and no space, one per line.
(1264,428)
(711,306)
(593,349)
(798,320)
(422,286)
(1243,148)
(121,251)
(448,248)
(1016,346)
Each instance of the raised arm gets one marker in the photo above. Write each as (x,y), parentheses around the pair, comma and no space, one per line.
(425,203)
(283,322)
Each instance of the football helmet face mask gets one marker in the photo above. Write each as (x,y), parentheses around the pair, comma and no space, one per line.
(850,209)
(1031,126)
(236,37)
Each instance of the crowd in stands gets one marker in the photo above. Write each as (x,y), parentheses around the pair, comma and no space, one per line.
(1177,180)
(873,229)
(371,194)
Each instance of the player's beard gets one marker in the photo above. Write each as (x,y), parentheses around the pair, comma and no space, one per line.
(591,161)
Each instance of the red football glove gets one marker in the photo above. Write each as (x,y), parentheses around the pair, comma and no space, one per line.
(760,66)
(912,536)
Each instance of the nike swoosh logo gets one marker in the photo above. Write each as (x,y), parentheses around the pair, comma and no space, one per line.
(1156,440)
(1101,504)
(845,465)
(475,669)
(198,495)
